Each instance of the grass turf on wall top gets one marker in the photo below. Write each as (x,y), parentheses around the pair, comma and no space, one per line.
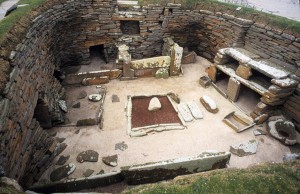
(267,178)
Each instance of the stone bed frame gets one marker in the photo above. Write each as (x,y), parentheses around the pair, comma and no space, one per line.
(273,94)
(142,131)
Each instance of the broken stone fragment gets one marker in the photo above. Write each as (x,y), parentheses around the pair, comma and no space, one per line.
(162,73)
(154,104)
(283,130)
(291,157)
(261,119)
(111,160)
(185,112)
(63,105)
(244,71)
(88,173)
(204,81)
(62,172)
(174,97)
(95,97)
(121,146)
(209,104)
(115,98)
(244,149)
(195,110)
(82,95)
(189,58)
(76,105)
(88,156)
(258,132)
(62,160)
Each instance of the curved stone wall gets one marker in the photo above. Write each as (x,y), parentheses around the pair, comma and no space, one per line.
(60,34)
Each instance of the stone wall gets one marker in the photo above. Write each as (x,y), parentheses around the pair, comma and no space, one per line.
(60,33)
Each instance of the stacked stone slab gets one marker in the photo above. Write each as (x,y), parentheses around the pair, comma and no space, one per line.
(292,107)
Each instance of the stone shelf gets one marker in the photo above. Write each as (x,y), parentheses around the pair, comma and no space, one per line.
(257,84)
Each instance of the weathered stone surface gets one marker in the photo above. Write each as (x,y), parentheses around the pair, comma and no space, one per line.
(95,97)
(154,104)
(86,122)
(88,173)
(115,98)
(189,58)
(212,73)
(258,132)
(204,81)
(163,170)
(244,149)
(209,104)
(111,160)
(88,156)
(185,112)
(121,146)
(82,95)
(150,63)
(244,71)
(195,110)
(233,89)
(283,130)
(95,81)
(76,105)
(176,56)
(291,157)
(162,73)
(62,160)
(261,119)
(285,83)
(174,97)
(5,181)
(63,105)
(62,172)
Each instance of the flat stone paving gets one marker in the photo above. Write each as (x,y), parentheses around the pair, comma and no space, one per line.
(209,133)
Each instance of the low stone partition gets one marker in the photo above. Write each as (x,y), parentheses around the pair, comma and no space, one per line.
(79,183)
(79,77)
(163,170)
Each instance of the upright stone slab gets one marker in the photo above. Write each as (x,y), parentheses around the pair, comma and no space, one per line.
(163,170)
(244,71)
(176,57)
(233,89)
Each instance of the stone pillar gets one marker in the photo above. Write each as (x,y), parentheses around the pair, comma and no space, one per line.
(176,56)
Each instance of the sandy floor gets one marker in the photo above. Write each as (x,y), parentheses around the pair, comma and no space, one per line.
(209,133)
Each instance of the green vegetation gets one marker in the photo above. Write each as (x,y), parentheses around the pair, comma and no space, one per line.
(275,21)
(1,1)
(267,178)
(7,23)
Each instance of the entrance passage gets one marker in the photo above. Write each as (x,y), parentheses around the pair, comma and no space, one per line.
(98,52)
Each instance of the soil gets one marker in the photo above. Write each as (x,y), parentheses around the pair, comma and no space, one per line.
(142,117)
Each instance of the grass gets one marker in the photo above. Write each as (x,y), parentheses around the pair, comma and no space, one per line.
(267,178)
(7,23)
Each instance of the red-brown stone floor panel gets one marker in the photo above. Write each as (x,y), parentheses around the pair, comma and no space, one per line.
(142,117)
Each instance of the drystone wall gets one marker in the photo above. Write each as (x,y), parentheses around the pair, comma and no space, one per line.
(60,33)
